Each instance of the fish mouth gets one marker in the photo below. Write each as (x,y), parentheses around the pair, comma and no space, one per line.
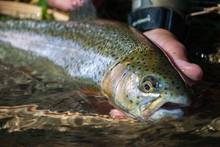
(171,109)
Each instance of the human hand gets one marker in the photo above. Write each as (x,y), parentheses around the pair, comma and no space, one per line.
(65,5)
(68,5)
(176,53)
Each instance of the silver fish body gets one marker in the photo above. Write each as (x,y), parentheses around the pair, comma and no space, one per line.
(129,70)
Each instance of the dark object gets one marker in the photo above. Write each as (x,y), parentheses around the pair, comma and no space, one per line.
(114,10)
(158,17)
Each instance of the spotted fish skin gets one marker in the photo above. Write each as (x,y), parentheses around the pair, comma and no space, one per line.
(114,56)
(97,40)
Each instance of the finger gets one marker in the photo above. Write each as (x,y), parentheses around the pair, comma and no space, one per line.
(176,51)
(190,70)
(117,114)
(168,43)
(65,5)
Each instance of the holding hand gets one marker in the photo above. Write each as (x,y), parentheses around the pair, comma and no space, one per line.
(176,52)
(65,5)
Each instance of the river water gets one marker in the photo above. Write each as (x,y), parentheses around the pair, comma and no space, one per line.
(45,107)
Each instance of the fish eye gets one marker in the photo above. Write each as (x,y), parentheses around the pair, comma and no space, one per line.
(148,84)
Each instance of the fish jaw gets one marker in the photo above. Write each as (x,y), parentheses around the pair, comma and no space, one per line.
(164,113)
(154,111)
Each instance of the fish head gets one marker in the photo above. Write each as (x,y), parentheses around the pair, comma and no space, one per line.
(145,86)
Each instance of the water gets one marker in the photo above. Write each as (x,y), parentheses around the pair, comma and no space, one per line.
(29,127)
(52,120)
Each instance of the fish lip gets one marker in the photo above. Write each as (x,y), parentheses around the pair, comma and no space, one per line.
(150,109)
(146,112)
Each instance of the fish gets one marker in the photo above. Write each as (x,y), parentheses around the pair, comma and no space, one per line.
(132,72)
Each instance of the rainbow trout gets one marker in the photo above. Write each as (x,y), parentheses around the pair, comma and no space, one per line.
(131,72)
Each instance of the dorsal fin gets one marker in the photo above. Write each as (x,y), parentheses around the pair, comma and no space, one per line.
(86,11)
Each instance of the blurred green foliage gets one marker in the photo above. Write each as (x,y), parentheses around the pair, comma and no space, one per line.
(41,3)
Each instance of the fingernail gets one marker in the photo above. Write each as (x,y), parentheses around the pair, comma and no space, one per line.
(190,70)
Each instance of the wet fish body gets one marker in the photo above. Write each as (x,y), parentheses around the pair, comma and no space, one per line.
(130,71)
